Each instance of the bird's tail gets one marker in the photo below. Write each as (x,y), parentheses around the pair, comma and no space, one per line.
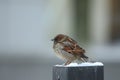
(84,58)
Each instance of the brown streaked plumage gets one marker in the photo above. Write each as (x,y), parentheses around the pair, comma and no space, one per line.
(67,49)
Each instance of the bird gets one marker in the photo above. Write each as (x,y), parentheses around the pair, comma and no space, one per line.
(68,49)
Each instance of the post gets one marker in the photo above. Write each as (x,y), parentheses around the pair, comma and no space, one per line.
(78,72)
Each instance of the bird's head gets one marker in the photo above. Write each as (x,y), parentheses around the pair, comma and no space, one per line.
(60,38)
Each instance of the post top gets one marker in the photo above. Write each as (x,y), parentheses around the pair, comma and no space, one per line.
(85,64)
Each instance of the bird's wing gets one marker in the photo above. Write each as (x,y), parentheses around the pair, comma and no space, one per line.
(74,50)
(72,47)
(71,40)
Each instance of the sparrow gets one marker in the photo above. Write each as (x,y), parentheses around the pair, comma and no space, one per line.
(68,49)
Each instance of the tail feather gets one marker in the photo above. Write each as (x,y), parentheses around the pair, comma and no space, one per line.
(84,58)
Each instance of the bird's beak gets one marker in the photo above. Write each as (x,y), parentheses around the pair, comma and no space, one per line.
(52,39)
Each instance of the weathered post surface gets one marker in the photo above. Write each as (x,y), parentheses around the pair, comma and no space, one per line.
(86,72)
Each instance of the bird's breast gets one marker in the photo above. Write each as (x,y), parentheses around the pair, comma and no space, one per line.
(58,48)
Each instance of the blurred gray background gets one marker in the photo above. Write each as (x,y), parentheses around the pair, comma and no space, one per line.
(27,26)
